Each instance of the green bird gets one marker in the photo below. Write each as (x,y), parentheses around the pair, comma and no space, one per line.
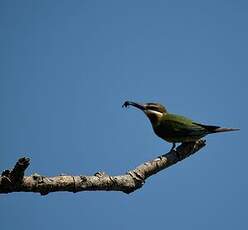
(175,128)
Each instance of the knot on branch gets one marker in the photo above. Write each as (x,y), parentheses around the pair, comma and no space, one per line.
(13,178)
(138,178)
(38,178)
(100,174)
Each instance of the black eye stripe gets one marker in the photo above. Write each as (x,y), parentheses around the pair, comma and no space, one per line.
(152,107)
(155,107)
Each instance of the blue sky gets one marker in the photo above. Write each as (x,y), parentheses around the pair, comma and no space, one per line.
(66,67)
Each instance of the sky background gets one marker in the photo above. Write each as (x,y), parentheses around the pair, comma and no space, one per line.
(66,67)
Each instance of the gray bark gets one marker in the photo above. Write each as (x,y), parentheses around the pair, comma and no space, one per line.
(15,181)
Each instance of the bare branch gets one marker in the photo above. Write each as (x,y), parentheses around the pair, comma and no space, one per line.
(15,181)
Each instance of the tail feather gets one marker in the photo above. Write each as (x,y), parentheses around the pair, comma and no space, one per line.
(216,129)
(219,130)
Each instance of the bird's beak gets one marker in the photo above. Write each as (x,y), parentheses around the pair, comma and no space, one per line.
(137,105)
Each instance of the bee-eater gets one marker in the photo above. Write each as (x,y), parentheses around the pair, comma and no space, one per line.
(175,128)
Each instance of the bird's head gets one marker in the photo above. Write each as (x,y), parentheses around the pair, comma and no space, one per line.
(154,111)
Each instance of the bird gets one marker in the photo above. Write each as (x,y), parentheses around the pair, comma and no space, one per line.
(175,128)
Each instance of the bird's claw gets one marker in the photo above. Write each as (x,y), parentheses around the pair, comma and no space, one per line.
(173,147)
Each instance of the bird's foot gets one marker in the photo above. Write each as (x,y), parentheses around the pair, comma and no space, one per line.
(173,147)
(176,152)
(179,158)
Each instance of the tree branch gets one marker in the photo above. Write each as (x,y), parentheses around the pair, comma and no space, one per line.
(15,181)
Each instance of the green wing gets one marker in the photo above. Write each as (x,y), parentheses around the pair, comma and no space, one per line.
(176,128)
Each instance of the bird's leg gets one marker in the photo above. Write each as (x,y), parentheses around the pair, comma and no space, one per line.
(173,149)
(173,146)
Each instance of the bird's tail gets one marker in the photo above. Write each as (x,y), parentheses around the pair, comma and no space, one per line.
(216,129)
(219,130)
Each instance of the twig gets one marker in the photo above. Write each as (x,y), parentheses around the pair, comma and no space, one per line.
(15,181)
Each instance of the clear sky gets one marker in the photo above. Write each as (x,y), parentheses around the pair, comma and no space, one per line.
(66,67)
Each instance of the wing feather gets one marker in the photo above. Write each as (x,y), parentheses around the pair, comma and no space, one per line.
(182,126)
